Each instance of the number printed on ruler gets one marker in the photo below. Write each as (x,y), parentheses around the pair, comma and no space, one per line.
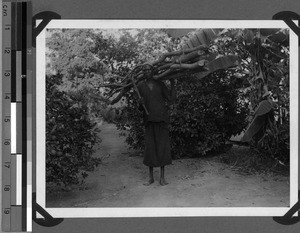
(6,116)
(5,10)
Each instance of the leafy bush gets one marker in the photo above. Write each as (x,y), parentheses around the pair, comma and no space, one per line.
(70,137)
(132,122)
(207,113)
(274,141)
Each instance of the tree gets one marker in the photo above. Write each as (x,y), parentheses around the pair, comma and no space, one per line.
(70,54)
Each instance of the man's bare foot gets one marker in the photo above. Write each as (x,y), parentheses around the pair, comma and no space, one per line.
(163,182)
(151,181)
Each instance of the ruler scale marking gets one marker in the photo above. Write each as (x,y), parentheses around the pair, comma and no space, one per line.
(19,179)
(20,25)
(18,76)
(6,88)
(13,75)
(15,70)
(19,128)
(13,171)
(13,24)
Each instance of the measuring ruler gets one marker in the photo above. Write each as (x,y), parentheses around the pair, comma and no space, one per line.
(15,53)
(6,111)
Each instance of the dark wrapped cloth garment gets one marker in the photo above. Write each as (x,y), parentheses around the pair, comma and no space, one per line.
(157,145)
(157,142)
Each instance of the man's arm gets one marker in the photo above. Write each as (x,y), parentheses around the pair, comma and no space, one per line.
(170,95)
(141,100)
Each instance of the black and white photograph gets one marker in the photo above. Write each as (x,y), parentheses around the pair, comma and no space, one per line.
(167,118)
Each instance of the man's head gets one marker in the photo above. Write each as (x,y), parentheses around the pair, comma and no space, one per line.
(148,71)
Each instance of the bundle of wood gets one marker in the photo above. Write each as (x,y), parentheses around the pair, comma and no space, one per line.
(195,58)
(172,65)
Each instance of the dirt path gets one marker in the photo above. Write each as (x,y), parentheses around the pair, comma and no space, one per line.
(118,182)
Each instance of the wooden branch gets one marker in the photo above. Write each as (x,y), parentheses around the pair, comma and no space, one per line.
(165,66)
(177,53)
(112,85)
(189,56)
(180,66)
(127,85)
(120,95)
(181,73)
(188,66)
(194,56)
(164,74)
(118,76)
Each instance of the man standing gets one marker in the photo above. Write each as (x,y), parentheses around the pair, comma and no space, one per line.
(154,95)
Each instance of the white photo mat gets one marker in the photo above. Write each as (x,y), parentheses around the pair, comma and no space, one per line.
(170,211)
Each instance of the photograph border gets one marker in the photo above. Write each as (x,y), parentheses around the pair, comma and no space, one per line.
(170,211)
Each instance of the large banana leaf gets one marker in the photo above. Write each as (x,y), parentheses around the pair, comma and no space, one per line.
(276,35)
(259,120)
(202,37)
(253,128)
(219,63)
(205,37)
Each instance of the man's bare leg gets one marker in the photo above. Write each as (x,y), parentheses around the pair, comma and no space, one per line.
(151,178)
(162,176)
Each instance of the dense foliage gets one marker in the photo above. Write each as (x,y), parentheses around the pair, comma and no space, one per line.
(70,137)
(275,141)
(208,112)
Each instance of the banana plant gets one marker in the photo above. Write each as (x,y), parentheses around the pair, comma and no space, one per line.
(267,75)
(259,57)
